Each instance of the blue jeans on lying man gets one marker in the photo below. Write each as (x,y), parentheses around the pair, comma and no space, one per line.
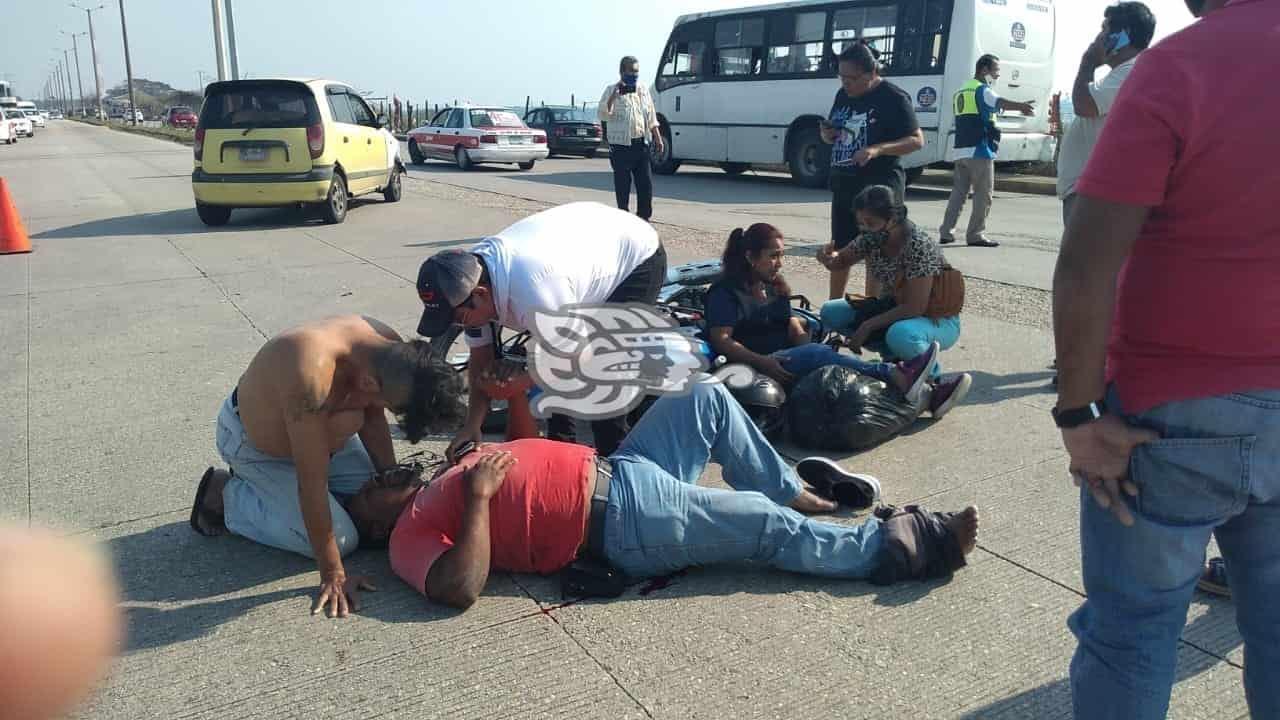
(904,339)
(804,359)
(658,520)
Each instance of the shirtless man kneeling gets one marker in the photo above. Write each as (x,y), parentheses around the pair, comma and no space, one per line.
(305,428)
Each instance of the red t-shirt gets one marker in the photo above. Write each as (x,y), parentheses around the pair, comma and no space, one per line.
(1193,136)
(537,520)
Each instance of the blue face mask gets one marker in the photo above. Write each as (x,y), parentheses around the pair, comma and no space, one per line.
(630,78)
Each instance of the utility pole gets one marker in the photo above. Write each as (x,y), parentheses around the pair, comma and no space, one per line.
(231,43)
(76,49)
(92,45)
(217,40)
(67,64)
(128,67)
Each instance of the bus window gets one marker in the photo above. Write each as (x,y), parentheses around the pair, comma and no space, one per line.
(875,25)
(796,43)
(920,37)
(740,46)
(683,60)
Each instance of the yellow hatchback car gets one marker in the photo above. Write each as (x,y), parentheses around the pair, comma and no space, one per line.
(269,143)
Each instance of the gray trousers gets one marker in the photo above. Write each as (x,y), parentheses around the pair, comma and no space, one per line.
(980,175)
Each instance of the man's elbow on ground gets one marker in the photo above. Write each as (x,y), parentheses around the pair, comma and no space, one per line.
(454,598)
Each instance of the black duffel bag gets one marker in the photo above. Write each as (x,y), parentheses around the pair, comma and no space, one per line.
(834,408)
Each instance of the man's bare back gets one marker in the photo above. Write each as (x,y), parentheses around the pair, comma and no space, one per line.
(311,369)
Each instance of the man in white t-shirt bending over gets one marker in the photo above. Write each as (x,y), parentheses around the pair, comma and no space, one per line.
(578,253)
(1127,29)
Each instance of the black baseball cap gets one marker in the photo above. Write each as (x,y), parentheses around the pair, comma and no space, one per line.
(445,281)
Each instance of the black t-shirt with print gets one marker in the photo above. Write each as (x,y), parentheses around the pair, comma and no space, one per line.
(883,115)
(761,326)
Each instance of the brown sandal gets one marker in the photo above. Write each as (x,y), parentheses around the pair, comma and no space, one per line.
(203,521)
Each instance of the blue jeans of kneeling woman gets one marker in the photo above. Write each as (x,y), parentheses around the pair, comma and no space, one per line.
(904,339)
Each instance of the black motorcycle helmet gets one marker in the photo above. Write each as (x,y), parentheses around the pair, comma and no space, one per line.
(763,400)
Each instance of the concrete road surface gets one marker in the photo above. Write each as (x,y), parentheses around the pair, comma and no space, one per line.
(130,322)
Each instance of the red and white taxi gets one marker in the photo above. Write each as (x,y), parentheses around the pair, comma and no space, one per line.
(471,134)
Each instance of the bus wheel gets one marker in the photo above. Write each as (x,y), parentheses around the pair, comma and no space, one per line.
(913,174)
(664,163)
(810,158)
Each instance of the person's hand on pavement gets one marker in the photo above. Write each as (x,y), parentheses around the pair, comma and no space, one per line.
(1100,453)
(339,595)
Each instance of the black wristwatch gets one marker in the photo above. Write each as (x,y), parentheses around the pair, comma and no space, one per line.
(1075,417)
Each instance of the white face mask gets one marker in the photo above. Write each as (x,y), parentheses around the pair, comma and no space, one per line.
(989,79)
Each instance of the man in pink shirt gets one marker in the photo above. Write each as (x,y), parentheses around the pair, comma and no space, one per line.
(1168,345)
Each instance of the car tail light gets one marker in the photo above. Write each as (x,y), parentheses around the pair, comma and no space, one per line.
(489,139)
(198,146)
(595,131)
(315,140)
(540,139)
(559,131)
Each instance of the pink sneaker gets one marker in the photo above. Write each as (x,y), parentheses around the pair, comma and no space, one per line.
(918,370)
(948,393)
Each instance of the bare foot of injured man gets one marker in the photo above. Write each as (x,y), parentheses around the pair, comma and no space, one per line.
(964,525)
(810,504)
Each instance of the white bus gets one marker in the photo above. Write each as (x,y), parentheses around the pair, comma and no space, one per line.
(747,88)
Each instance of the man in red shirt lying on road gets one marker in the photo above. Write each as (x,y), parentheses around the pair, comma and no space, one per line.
(535,505)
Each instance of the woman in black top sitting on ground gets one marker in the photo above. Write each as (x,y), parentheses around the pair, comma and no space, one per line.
(749,320)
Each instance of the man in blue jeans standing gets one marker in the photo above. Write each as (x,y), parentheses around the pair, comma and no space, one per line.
(1169,362)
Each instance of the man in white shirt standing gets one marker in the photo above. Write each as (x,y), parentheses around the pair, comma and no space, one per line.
(580,253)
(627,110)
(1127,29)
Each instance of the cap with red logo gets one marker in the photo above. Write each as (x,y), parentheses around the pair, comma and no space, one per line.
(445,280)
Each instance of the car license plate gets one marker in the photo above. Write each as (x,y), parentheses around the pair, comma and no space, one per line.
(253,154)
(582,132)
(517,140)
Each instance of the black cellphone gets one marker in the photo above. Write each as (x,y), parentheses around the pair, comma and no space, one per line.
(463,449)
(586,578)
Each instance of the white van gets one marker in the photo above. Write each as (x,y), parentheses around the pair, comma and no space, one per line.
(747,87)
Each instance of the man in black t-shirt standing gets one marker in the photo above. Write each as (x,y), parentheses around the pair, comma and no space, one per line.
(872,124)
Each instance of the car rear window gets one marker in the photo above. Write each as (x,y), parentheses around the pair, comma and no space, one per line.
(259,105)
(572,116)
(180,110)
(494,118)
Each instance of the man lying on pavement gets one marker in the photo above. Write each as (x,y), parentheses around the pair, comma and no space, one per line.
(535,505)
(306,427)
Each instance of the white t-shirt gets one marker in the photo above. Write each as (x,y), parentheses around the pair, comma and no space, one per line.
(571,254)
(1083,134)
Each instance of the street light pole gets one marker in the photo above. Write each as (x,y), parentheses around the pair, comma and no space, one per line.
(76,49)
(93,47)
(231,43)
(217,40)
(67,64)
(128,67)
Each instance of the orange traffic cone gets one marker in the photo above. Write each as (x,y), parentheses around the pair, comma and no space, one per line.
(13,236)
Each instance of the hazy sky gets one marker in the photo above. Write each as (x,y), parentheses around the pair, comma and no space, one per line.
(495,51)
